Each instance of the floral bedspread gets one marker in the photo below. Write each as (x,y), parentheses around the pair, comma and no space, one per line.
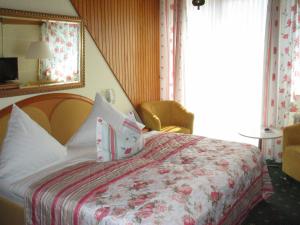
(175,179)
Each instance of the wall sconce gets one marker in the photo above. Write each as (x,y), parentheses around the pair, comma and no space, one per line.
(38,50)
(198,3)
(109,95)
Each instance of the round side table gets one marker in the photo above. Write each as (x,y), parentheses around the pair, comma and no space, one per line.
(261,134)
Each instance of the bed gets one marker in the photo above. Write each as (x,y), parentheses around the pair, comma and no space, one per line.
(175,179)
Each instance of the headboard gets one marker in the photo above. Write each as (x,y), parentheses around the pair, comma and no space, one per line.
(60,114)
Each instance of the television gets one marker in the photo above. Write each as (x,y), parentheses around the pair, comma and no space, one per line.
(8,69)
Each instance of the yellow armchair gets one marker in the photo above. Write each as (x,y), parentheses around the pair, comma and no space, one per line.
(291,151)
(168,116)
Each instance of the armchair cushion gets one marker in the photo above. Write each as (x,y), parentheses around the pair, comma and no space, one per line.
(176,129)
(167,116)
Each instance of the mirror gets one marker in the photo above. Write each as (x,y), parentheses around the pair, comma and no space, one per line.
(40,52)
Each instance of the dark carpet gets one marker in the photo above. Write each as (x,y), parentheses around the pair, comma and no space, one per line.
(283,208)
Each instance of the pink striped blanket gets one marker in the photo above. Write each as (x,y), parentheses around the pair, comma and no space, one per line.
(175,179)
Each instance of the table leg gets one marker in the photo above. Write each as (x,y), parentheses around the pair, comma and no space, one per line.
(260,143)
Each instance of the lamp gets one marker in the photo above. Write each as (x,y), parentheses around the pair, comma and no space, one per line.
(198,3)
(38,50)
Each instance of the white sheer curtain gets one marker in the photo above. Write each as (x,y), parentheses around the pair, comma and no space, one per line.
(224,66)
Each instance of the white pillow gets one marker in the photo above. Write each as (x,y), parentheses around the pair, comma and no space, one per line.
(86,135)
(133,118)
(27,147)
(114,145)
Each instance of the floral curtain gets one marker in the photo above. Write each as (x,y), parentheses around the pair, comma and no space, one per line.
(172,31)
(63,40)
(282,71)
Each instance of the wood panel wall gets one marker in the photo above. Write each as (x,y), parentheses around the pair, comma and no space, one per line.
(127,34)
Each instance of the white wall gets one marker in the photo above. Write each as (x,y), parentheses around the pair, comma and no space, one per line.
(98,75)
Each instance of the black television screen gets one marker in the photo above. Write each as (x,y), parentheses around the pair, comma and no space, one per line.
(8,69)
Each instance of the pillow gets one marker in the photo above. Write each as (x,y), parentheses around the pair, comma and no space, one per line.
(27,147)
(113,144)
(86,135)
(131,116)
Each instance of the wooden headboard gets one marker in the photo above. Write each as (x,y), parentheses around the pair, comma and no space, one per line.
(60,114)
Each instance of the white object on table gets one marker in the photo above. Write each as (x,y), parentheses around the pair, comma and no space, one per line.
(261,134)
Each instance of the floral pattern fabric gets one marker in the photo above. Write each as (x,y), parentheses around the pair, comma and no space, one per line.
(175,179)
(281,82)
(172,44)
(63,40)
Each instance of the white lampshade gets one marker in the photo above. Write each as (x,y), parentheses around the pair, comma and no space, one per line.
(38,50)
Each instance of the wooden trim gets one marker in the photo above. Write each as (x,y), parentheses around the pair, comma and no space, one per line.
(45,97)
(37,15)
(20,21)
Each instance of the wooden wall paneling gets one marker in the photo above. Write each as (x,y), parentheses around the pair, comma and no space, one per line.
(127,34)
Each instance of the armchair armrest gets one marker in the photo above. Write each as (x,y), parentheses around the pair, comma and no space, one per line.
(184,118)
(150,120)
(291,135)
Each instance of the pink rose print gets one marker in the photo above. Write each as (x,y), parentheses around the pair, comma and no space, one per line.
(160,207)
(69,44)
(273,103)
(170,182)
(146,211)
(163,171)
(186,160)
(141,184)
(188,220)
(294,9)
(184,189)
(101,213)
(198,172)
(136,201)
(141,199)
(223,164)
(215,196)
(293,108)
(254,159)
(178,198)
(231,183)
(128,150)
(245,168)
(118,211)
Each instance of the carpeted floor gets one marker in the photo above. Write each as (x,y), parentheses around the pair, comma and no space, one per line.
(283,208)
